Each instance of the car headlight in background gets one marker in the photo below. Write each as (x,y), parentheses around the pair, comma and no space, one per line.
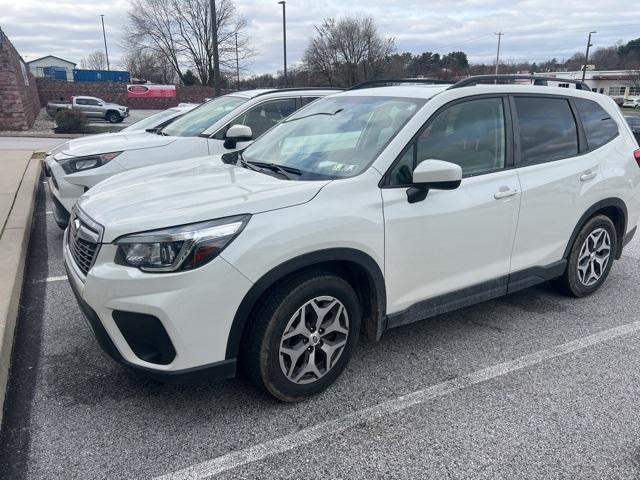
(179,248)
(79,164)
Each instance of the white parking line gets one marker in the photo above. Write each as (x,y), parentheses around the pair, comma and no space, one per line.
(331,428)
(52,279)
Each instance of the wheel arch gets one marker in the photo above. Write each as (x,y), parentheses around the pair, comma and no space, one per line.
(615,209)
(110,111)
(355,266)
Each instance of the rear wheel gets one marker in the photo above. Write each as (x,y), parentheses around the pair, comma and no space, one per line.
(303,337)
(591,257)
(113,117)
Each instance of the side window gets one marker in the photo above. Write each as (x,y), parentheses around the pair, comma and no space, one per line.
(306,100)
(547,129)
(470,134)
(91,101)
(81,101)
(265,115)
(598,125)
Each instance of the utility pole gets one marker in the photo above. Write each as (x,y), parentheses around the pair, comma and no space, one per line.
(586,56)
(237,63)
(284,37)
(214,41)
(104,37)
(499,34)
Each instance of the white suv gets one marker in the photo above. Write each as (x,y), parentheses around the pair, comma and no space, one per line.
(364,211)
(80,165)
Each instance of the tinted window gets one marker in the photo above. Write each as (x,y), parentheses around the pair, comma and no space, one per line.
(598,125)
(547,129)
(305,100)
(266,115)
(470,134)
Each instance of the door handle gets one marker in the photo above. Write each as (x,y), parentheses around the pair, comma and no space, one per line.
(505,192)
(588,175)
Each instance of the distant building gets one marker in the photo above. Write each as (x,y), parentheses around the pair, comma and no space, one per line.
(52,67)
(615,83)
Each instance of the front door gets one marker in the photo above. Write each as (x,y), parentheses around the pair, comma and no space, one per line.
(259,118)
(453,240)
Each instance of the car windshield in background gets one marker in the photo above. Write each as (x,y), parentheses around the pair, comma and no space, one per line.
(335,137)
(200,118)
(152,121)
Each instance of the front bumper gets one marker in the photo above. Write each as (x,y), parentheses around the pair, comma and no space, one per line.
(195,308)
(65,194)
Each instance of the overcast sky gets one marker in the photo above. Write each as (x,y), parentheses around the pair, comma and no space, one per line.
(535,30)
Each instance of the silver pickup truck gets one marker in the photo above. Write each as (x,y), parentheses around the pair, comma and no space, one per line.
(91,107)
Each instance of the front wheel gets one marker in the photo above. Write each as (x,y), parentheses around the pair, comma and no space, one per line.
(303,336)
(591,257)
(113,117)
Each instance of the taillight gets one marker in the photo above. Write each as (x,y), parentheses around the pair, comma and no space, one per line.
(636,154)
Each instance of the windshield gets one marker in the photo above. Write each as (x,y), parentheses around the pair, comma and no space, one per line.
(335,137)
(200,118)
(152,121)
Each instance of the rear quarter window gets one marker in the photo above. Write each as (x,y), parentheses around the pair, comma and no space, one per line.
(598,125)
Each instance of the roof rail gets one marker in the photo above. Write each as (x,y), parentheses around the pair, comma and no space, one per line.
(291,89)
(538,80)
(389,82)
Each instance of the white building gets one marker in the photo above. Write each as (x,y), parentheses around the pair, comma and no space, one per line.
(52,67)
(615,83)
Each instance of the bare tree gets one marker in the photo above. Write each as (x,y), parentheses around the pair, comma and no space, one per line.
(180,31)
(94,61)
(348,50)
(146,65)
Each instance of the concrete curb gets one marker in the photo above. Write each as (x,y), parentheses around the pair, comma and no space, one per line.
(14,243)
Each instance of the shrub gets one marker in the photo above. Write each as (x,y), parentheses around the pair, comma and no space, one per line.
(70,121)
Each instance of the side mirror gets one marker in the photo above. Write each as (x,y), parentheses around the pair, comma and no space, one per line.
(235,134)
(436,175)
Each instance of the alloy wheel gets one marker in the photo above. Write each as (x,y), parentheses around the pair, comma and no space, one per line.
(594,257)
(314,339)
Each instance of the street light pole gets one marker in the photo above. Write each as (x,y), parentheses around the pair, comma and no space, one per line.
(499,34)
(214,46)
(237,63)
(104,37)
(586,56)
(284,37)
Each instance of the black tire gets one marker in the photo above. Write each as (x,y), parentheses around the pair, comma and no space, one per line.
(570,282)
(262,344)
(114,117)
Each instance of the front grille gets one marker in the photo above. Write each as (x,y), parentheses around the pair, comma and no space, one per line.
(84,239)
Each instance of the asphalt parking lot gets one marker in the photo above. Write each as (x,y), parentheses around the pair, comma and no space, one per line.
(533,385)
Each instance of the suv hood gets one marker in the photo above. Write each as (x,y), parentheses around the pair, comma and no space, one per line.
(93,139)
(187,191)
(115,142)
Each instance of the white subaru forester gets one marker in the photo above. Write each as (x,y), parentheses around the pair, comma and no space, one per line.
(366,210)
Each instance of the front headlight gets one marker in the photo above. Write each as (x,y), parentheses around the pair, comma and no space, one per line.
(78,164)
(179,248)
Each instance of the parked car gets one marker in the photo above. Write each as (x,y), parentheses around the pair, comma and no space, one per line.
(147,125)
(634,123)
(91,107)
(366,210)
(206,130)
(631,103)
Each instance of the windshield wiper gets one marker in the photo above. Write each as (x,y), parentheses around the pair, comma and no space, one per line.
(283,170)
(315,114)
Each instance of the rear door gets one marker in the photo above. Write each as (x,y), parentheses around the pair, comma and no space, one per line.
(560,178)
